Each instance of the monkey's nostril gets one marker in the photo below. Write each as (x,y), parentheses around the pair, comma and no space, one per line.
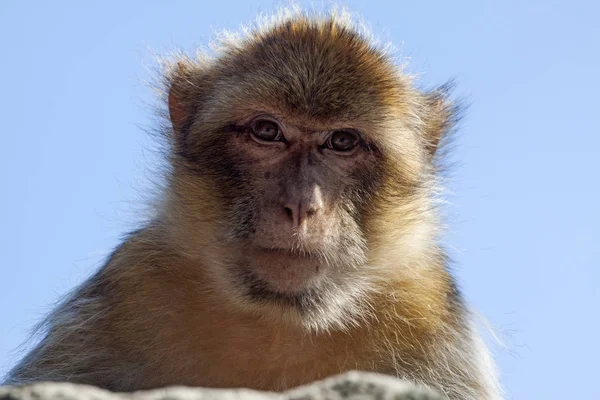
(289,212)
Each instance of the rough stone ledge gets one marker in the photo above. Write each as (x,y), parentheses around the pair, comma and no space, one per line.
(349,386)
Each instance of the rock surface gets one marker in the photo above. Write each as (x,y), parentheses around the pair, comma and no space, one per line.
(349,386)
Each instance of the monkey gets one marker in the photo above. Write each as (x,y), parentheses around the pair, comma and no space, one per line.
(296,236)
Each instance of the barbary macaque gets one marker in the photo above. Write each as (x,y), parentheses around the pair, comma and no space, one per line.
(297,235)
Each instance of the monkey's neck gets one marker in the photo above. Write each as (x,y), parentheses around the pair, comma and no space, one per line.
(208,341)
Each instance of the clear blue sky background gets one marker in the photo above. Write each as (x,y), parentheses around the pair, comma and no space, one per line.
(74,157)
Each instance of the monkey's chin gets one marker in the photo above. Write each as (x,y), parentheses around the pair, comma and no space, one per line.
(262,292)
(299,288)
(281,277)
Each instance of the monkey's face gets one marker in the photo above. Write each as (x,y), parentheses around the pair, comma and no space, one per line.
(287,202)
(296,218)
(296,155)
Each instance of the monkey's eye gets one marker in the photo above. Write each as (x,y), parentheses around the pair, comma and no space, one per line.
(342,140)
(266,131)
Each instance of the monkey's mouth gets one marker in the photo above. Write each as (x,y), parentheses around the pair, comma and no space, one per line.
(292,253)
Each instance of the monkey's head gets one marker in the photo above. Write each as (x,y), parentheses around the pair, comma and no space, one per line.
(301,155)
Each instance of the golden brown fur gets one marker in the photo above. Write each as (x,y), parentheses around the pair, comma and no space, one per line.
(166,308)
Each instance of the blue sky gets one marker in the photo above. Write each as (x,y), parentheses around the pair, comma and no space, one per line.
(75,160)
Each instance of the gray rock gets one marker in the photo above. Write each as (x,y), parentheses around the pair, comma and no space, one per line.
(349,386)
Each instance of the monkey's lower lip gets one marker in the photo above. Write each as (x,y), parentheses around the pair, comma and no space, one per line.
(280,270)
(288,252)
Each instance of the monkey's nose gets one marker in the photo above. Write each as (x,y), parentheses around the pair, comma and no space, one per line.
(299,213)
(301,204)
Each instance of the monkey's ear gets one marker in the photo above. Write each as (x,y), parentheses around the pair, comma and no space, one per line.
(181,96)
(440,116)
